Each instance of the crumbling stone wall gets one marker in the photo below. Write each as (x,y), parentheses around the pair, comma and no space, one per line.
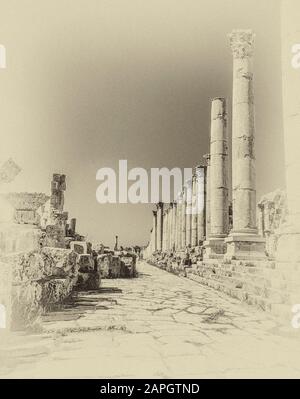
(40,280)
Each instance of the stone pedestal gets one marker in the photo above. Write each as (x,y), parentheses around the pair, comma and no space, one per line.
(245,246)
(244,241)
(214,248)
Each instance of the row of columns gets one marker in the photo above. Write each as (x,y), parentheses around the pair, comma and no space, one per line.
(201,212)
(182,223)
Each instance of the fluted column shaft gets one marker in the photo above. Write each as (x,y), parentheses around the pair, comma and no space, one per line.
(219,217)
(207,197)
(243,132)
(154,230)
(188,232)
(159,218)
(194,215)
(183,219)
(200,176)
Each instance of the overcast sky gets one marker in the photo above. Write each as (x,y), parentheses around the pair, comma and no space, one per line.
(90,82)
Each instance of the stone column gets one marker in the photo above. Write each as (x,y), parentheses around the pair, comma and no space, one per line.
(171,226)
(194,215)
(200,178)
(260,219)
(159,219)
(164,222)
(154,229)
(175,225)
(219,218)
(188,231)
(288,249)
(183,219)
(207,197)
(168,229)
(244,241)
(179,222)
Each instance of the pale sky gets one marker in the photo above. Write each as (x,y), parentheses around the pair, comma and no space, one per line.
(90,82)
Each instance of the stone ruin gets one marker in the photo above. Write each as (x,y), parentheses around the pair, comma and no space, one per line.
(43,258)
(248,250)
(40,265)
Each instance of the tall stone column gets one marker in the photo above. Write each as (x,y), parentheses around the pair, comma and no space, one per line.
(171,226)
(244,241)
(183,219)
(194,235)
(200,179)
(159,218)
(219,218)
(154,229)
(179,222)
(188,230)
(288,249)
(170,213)
(175,225)
(207,197)
(164,231)
(167,229)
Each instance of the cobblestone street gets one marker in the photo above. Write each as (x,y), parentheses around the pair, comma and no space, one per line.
(157,325)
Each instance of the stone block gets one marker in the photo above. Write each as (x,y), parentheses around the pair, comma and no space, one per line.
(80,247)
(103,262)
(128,266)
(115,267)
(86,263)
(88,281)
(245,247)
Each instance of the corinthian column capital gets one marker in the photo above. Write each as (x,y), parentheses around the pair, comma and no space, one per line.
(242,43)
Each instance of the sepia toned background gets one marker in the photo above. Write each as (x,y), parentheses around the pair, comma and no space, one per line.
(91,82)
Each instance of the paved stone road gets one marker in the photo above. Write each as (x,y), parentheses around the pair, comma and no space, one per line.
(158,325)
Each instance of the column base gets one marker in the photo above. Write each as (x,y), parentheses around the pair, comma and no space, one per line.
(243,246)
(214,248)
